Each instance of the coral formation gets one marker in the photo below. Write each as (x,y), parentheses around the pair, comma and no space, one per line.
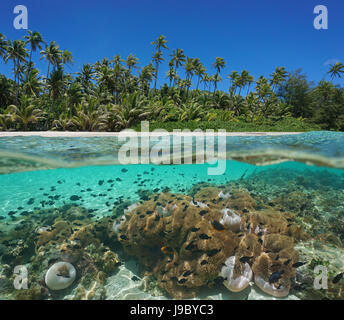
(64,249)
(186,242)
(269,230)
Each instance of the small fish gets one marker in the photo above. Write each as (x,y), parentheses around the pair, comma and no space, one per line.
(276,276)
(298,264)
(245,259)
(167,250)
(194,229)
(204,236)
(217,226)
(187,273)
(219,280)
(287,262)
(181,281)
(203,262)
(213,252)
(190,246)
(63,275)
(337,278)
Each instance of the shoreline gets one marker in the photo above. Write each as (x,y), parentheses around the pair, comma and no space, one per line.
(76,134)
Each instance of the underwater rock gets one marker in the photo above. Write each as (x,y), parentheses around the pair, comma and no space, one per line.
(237,276)
(60,276)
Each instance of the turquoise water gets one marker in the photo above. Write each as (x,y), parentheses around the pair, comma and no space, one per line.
(97,187)
(299,174)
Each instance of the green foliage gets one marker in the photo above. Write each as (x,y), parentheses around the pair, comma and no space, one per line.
(238,125)
(114,94)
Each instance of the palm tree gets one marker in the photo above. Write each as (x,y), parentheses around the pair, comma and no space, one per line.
(219,64)
(206,79)
(234,76)
(34,39)
(191,111)
(16,52)
(157,58)
(6,92)
(171,75)
(56,84)
(146,77)
(189,68)
(215,79)
(32,84)
(199,70)
(86,75)
(159,43)
(75,96)
(118,71)
(336,70)
(249,81)
(106,78)
(131,62)
(278,76)
(3,45)
(66,58)
(52,54)
(27,113)
(178,59)
(244,80)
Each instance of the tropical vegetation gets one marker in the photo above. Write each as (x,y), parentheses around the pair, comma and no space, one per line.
(118,93)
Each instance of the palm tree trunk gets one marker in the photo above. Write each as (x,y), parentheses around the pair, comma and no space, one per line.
(156,76)
(15,71)
(48,69)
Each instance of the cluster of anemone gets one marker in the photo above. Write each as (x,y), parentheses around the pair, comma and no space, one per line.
(191,242)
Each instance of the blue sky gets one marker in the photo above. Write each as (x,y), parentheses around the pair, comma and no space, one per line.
(249,34)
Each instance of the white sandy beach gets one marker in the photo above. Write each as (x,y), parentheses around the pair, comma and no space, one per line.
(54,134)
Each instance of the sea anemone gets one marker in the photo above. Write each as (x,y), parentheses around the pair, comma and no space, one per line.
(232,221)
(236,277)
(60,276)
(222,195)
(117,225)
(279,291)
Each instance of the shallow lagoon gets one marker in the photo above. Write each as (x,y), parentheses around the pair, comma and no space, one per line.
(78,191)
